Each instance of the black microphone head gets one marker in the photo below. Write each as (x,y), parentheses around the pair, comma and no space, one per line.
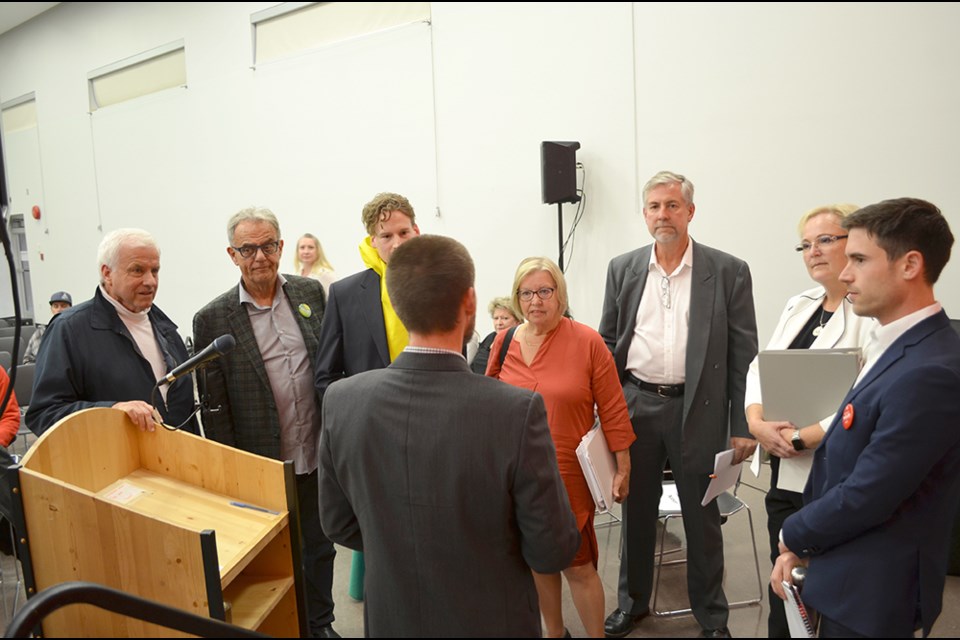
(224,344)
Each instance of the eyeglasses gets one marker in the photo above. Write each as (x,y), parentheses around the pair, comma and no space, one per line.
(821,241)
(665,291)
(527,295)
(250,250)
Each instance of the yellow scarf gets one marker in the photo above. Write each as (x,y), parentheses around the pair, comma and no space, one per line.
(397,336)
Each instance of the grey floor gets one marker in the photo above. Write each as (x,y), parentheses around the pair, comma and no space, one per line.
(740,582)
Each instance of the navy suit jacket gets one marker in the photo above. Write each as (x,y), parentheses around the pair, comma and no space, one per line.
(352,338)
(883,492)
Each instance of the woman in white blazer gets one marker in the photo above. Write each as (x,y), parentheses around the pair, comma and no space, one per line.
(819,318)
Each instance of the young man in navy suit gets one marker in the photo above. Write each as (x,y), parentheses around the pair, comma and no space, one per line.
(885,485)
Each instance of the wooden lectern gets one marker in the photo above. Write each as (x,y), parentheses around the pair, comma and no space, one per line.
(164,515)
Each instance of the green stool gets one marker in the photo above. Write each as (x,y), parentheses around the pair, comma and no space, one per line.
(357,570)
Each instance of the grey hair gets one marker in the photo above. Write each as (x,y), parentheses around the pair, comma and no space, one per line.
(109,250)
(666,178)
(259,214)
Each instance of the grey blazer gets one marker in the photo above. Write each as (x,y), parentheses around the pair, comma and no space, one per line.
(448,482)
(722,340)
(237,384)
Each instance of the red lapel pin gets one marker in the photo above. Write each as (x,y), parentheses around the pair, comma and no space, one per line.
(847,418)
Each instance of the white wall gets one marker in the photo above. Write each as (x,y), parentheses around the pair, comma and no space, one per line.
(770,109)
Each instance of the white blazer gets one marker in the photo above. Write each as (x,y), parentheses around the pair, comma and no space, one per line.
(844,329)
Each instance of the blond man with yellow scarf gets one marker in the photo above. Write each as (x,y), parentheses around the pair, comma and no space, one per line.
(360,330)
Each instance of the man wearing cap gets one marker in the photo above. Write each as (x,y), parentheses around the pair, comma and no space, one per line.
(58,302)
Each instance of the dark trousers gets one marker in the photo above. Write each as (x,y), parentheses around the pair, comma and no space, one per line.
(832,629)
(780,505)
(657,421)
(317,553)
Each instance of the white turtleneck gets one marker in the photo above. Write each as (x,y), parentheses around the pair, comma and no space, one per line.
(140,327)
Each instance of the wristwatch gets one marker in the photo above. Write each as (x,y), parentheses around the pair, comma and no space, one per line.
(797,442)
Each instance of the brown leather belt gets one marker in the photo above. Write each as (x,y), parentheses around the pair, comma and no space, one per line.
(664,390)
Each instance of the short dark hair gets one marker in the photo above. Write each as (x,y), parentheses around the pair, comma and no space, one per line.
(380,209)
(427,278)
(907,224)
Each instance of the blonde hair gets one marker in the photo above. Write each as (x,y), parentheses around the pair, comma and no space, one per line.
(319,265)
(504,303)
(532,265)
(839,210)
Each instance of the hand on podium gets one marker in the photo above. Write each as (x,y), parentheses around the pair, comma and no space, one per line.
(141,413)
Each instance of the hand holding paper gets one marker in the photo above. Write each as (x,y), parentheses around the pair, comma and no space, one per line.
(724,476)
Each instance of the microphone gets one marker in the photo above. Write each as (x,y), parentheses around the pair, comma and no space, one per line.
(220,346)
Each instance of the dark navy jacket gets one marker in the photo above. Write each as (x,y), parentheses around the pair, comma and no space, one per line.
(89,359)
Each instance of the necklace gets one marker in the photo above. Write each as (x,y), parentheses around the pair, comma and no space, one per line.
(818,330)
(532,345)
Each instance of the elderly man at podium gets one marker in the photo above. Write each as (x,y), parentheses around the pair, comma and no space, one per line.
(110,350)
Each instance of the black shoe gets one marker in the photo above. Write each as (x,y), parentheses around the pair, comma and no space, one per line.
(620,623)
(326,631)
(716,633)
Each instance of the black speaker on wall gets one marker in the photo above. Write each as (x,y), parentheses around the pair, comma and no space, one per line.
(558,177)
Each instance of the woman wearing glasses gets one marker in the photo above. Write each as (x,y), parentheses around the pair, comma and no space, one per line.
(819,318)
(571,367)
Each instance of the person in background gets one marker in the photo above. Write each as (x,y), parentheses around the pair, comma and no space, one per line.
(504,317)
(110,350)
(446,480)
(885,484)
(10,420)
(818,318)
(59,301)
(678,316)
(570,366)
(259,397)
(309,261)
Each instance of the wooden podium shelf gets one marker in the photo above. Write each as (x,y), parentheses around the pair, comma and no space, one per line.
(165,515)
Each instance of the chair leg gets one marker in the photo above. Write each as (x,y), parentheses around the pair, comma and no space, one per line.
(660,564)
(756,560)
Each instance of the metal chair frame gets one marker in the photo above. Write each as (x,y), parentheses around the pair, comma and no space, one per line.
(729,504)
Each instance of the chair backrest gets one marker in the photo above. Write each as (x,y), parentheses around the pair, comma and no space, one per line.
(23,386)
(5,359)
(15,350)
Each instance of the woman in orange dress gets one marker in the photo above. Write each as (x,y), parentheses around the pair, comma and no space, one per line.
(570,366)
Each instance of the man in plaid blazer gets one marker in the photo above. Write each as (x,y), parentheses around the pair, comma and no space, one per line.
(260,396)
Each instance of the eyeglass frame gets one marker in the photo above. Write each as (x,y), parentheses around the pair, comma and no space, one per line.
(824,240)
(665,291)
(253,248)
(526,295)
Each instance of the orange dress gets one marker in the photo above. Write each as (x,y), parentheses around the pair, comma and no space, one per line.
(574,372)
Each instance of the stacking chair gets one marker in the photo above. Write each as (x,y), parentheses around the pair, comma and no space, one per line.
(23,386)
(729,504)
(15,350)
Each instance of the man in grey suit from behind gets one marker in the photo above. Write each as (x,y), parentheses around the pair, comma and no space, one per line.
(446,480)
(679,319)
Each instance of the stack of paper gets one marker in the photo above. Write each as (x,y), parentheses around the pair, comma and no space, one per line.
(599,467)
